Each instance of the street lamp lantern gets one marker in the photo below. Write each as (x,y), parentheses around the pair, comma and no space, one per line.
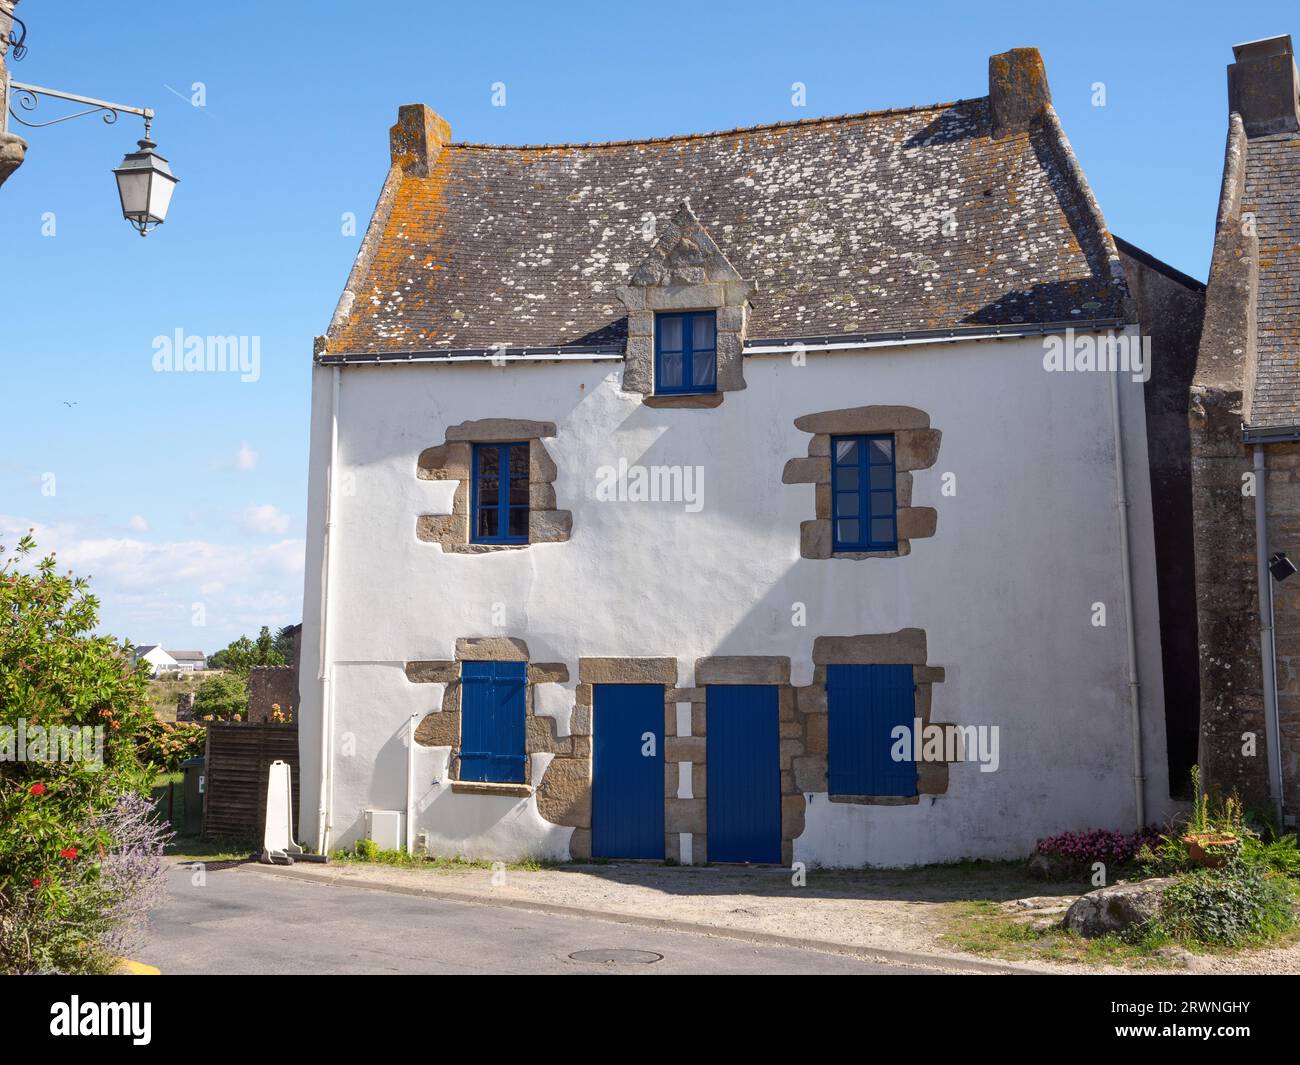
(144,184)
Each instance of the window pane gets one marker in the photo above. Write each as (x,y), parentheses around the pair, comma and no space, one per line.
(846,451)
(704,369)
(847,532)
(518,492)
(670,333)
(882,451)
(670,371)
(846,477)
(882,530)
(882,504)
(518,521)
(488,460)
(487,491)
(519,460)
(487,521)
(702,332)
(882,477)
(846,505)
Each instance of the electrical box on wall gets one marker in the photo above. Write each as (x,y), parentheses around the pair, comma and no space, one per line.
(384,827)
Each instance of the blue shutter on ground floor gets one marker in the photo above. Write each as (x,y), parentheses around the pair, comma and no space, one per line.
(492,721)
(627,795)
(865,704)
(743,793)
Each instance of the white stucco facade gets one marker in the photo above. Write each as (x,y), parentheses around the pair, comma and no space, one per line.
(1005,590)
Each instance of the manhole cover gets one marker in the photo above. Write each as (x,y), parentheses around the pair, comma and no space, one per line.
(626,957)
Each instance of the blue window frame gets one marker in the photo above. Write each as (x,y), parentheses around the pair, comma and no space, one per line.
(686,353)
(492,721)
(864,508)
(499,507)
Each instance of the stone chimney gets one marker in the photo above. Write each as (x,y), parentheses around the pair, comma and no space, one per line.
(416,141)
(1018,92)
(12,147)
(1263,87)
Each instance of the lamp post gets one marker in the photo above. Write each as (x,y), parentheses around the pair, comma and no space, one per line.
(144,179)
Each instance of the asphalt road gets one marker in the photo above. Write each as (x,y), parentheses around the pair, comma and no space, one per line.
(244,920)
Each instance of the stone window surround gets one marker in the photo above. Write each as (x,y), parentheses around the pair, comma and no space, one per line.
(685,271)
(441,727)
(564,792)
(916,447)
(452,460)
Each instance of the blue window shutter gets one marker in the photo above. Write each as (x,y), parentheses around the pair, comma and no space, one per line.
(865,703)
(492,721)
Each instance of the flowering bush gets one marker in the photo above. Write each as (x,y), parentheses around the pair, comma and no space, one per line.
(61,804)
(166,745)
(1098,845)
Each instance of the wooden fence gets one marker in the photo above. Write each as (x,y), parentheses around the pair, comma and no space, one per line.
(238,759)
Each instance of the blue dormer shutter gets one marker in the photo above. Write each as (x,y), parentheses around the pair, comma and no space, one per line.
(492,721)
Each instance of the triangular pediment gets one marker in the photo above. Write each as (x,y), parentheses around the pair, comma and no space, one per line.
(684,254)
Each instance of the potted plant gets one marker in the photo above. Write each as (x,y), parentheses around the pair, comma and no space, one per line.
(1212,841)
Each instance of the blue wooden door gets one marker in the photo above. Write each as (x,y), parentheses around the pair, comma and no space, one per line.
(744,771)
(492,721)
(865,704)
(627,795)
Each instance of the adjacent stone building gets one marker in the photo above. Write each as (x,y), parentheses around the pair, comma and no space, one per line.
(13,149)
(1245,427)
(769,495)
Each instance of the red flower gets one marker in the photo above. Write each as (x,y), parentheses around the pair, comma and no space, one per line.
(68,852)
(38,789)
(36,882)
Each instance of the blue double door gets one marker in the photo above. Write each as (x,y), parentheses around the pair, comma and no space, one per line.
(744,773)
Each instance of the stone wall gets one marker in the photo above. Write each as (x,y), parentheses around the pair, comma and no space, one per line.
(269,686)
(1283,510)
(13,148)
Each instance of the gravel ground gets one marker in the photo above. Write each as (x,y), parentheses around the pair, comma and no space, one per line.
(905,910)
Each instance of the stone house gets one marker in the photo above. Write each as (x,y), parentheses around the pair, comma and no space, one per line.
(1245,433)
(766,495)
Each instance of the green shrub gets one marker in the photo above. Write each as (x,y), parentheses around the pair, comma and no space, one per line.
(165,745)
(367,850)
(222,698)
(1229,906)
(64,820)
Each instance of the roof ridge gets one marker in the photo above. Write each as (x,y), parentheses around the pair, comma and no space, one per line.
(738,130)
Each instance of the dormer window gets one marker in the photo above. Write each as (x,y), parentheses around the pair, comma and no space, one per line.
(686,353)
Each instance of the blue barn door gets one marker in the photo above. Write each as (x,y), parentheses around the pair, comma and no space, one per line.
(744,772)
(492,721)
(865,704)
(627,793)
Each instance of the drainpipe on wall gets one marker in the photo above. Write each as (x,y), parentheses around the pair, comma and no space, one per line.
(1267,645)
(326,674)
(1126,566)
(410,784)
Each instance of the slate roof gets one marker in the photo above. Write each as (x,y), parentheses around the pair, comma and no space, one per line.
(188,656)
(1272,193)
(840,221)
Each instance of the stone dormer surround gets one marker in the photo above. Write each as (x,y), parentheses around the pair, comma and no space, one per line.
(685,271)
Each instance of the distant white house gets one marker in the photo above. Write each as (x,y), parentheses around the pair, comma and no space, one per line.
(159,660)
(163,661)
(189,659)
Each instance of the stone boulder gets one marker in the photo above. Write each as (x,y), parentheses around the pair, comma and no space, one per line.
(1116,908)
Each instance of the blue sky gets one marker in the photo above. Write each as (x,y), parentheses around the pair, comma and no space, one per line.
(173,490)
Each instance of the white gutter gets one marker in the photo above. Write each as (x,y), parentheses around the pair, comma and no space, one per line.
(1126,567)
(326,674)
(410,784)
(1267,646)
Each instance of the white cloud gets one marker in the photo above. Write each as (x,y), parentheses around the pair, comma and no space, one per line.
(267,518)
(247,458)
(148,591)
(138,523)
